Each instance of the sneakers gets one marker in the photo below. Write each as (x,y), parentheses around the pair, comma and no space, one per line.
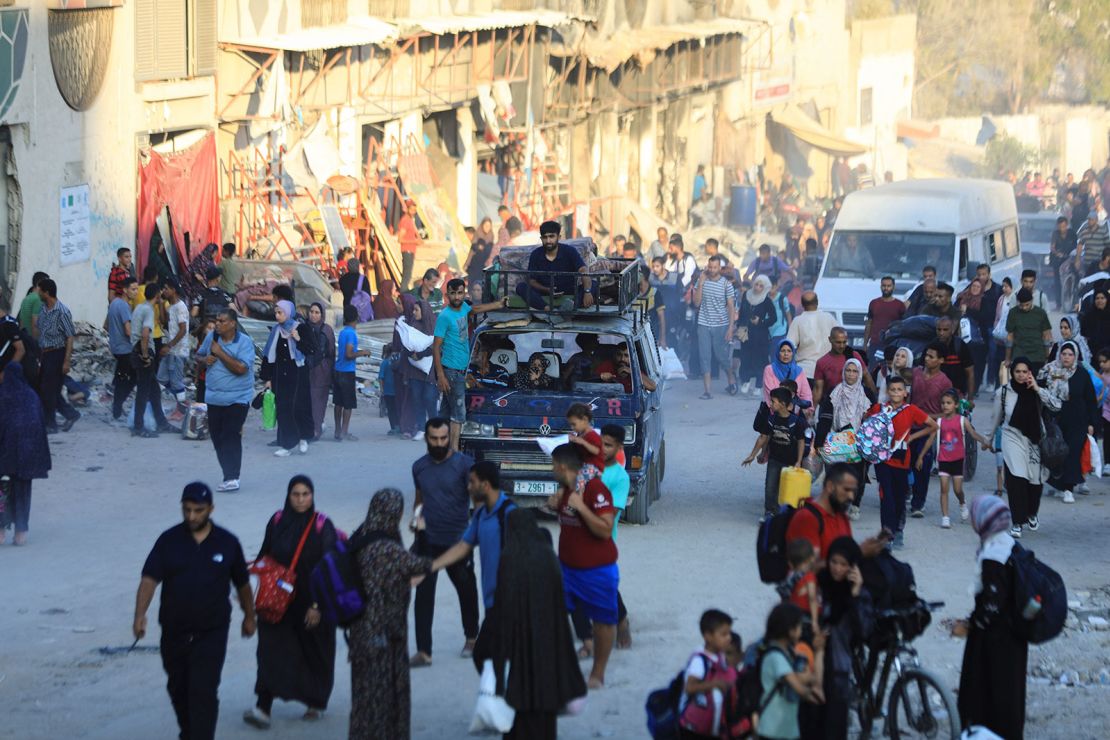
(255,717)
(965,513)
(1069,497)
(1105,471)
(302,447)
(282,452)
(731,389)
(1034,524)
(917,514)
(228,485)
(945,523)
(1015,532)
(1083,489)
(144,433)
(420,660)
(853,512)
(746,388)
(418,436)
(899,541)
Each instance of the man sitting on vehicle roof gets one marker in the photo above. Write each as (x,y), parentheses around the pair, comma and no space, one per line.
(555,257)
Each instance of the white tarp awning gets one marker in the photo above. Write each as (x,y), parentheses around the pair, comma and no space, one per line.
(358,31)
(445,24)
(610,52)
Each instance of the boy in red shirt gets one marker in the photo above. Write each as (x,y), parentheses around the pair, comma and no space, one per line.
(894,474)
(587,552)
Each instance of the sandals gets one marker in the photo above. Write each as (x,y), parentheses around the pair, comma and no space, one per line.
(585,653)
(706,396)
(420,660)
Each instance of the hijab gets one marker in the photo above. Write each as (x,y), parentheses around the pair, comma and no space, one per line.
(970,298)
(522,380)
(837,595)
(284,533)
(427,321)
(384,305)
(1080,342)
(383,518)
(1026,417)
(991,520)
(849,402)
(199,266)
(528,628)
(1055,377)
(786,370)
(285,330)
(759,291)
(909,357)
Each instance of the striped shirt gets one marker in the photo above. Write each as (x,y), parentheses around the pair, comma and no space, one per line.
(1093,242)
(55,326)
(713,310)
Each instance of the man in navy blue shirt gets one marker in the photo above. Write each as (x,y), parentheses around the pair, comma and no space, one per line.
(491,506)
(554,256)
(196,562)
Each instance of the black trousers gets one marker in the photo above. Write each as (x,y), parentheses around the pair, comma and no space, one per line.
(1025,497)
(225,427)
(50,387)
(122,383)
(147,391)
(193,663)
(466,585)
(584,629)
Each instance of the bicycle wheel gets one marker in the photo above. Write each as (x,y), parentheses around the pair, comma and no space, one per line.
(921,707)
(971,456)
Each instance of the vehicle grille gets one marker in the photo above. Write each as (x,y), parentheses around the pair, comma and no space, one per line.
(853,318)
(510,460)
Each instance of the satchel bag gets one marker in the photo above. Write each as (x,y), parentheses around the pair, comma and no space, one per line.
(1054,450)
(276,583)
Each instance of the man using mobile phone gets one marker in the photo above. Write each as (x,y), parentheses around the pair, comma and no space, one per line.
(830,520)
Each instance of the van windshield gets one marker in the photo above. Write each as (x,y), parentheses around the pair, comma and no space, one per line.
(872,254)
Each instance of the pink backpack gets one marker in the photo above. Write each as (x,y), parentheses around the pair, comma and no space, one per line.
(703,715)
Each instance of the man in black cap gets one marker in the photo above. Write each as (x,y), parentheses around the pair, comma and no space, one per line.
(195,562)
(1028,332)
(555,257)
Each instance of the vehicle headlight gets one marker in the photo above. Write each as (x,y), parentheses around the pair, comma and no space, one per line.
(487,430)
(629,434)
(1046,259)
(471,429)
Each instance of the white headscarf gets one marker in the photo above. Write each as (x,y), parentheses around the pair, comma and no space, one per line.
(849,402)
(759,291)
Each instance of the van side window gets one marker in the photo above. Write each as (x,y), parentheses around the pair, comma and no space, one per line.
(1010,242)
(645,354)
(963,257)
(992,246)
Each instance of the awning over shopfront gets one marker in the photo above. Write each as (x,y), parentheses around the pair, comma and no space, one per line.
(358,31)
(610,52)
(805,129)
(441,25)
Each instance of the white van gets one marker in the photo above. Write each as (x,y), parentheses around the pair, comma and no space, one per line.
(899,228)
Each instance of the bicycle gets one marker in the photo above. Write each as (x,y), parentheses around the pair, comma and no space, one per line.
(919,704)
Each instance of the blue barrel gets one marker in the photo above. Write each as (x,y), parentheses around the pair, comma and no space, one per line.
(742,208)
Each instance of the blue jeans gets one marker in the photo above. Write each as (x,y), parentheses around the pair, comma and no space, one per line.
(421,403)
(895,485)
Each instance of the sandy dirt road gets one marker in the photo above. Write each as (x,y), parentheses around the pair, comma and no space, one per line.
(72,590)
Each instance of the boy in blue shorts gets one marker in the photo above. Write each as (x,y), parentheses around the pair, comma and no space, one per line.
(587,552)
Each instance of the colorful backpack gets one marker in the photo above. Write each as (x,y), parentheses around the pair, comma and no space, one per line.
(362,302)
(840,447)
(875,436)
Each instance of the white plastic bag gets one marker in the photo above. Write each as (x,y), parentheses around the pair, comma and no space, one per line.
(415,341)
(492,714)
(1096,456)
(672,366)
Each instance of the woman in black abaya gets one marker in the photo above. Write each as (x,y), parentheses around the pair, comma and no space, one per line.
(528,628)
(296,656)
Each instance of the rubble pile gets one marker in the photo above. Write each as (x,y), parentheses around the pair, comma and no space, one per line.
(92,361)
(1088,616)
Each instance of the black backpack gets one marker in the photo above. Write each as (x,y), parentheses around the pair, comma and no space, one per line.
(749,695)
(890,581)
(770,545)
(1036,582)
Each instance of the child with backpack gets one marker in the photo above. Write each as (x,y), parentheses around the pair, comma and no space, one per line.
(709,682)
(800,587)
(783,685)
(784,435)
(891,455)
(950,458)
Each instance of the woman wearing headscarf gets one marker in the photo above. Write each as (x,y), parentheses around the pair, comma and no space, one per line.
(1017,412)
(782,367)
(900,364)
(1094,323)
(296,656)
(527,630)
(419,398)
(481,252)
(1069,332)
(970,301)
(378,641)
(756,316)
(158,257)
(1069,382)
(847,618)
(533,376)
(992,680)
(284,370)
(850,404)
(320,365)
(387,303)
(24,450)
(195,279)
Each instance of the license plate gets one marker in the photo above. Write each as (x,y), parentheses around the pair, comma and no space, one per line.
(535,487)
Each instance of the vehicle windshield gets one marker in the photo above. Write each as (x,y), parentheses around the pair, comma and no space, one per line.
(870,254)
(1037,230)
(545,361)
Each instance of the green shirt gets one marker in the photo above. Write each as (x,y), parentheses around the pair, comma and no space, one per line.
(1028,328)
(435,299)
(780,718)
(29,309)
(233,272)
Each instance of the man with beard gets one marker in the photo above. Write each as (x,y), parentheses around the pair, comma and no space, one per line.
(881,313)
(486,530)
(830,519)
(451,352)
(195,562)
(922,294)
(554,257)
(441,513)
(956,360)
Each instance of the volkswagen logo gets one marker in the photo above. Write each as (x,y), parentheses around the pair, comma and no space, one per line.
(545,429)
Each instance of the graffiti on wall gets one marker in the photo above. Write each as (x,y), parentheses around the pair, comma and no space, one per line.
(108,235)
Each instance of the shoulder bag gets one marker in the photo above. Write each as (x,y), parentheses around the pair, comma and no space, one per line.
(276,582)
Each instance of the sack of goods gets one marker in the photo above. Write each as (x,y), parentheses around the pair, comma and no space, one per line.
(195,425)
(840,447)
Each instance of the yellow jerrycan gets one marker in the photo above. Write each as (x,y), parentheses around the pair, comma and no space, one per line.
(794,486)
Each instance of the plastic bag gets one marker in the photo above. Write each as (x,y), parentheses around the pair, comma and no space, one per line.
(1096,456)
(672,366)
(415,340)
(840,447)
(269,410)
(492,714)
